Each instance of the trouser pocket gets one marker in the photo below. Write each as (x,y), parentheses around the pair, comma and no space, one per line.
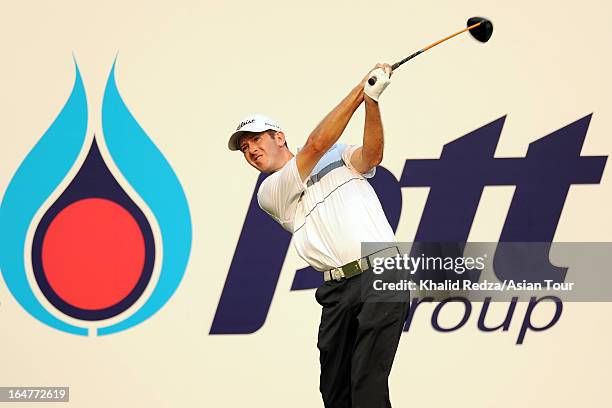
(323,292)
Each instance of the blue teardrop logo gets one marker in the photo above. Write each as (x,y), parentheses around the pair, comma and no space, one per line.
(92,251)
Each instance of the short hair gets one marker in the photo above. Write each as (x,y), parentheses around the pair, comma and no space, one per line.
(273,133)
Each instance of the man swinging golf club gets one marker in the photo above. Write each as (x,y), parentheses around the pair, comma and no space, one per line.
(322,197)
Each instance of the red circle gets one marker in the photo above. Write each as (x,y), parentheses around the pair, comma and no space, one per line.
(93,254)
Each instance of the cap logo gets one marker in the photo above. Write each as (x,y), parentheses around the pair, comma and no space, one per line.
(272,125)
(246,122)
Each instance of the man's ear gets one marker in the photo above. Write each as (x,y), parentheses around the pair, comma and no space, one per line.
(280,138)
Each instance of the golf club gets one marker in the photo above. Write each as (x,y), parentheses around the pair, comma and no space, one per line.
(480,28)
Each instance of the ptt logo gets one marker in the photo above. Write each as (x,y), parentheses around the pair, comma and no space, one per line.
(456,181)
(107,249)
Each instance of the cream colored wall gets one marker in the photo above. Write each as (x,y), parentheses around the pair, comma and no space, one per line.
(190,70)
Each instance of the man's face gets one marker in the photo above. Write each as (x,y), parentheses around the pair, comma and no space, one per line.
(262,150)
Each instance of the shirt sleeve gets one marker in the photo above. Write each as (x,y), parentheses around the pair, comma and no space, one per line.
(278,195)
(346,157)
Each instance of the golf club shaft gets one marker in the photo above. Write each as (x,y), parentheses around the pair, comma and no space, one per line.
(397,64)
(372,81)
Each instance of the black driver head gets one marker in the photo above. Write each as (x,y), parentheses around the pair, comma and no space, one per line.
(483,32)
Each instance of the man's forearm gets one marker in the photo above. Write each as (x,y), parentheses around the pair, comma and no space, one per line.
(373,137)
(331,127)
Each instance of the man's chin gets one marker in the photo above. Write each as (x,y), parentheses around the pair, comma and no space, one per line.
(260,168)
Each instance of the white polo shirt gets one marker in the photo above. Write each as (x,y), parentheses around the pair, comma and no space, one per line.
(330,214)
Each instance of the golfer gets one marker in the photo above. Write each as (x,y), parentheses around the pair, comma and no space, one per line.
(322,197)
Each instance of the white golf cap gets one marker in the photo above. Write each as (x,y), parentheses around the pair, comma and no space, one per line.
(252,124)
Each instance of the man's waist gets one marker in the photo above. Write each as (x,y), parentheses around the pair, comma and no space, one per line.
(357,266)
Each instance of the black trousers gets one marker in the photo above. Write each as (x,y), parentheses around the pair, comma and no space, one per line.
(357,343)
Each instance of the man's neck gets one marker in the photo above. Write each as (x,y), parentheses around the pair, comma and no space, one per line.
(286,157)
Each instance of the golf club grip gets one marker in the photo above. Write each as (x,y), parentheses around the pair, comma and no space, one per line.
(408,58)
(372,80)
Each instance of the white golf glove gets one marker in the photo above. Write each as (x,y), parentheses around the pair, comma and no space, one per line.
(382,81)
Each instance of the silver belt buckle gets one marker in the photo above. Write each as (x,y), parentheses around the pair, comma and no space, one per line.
(364,264)
(336,274)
